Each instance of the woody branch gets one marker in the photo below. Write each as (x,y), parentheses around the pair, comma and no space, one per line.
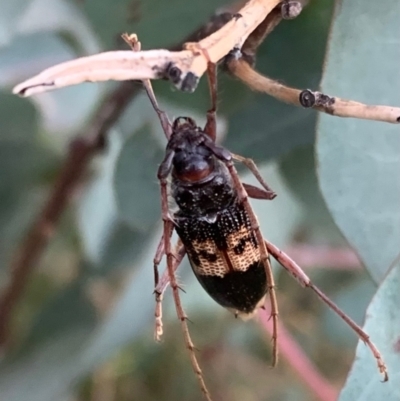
(333,105)
(183,68)
(235,41)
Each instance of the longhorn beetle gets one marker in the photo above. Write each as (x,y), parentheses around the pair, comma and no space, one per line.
(217,228)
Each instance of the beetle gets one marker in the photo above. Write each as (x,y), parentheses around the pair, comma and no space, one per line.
(213,220)
(219,231)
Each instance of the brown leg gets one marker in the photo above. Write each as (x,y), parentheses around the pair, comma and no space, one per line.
(249,163)
(211,126)
(161,287)
(295,270)
(134,44)
(264,257)
(258,193)
(162,115)
(158,326)
(179,254)
(160,252)
(157,259)
(168,230)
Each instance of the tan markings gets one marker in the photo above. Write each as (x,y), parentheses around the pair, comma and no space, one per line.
(218,267)
(250,254)
(226,260)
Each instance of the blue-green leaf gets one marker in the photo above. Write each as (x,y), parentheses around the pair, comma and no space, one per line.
(359,161)
(177,18)
(11,11)
(262,127)
(383,326)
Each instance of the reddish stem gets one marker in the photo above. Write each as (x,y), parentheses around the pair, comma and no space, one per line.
(299,361)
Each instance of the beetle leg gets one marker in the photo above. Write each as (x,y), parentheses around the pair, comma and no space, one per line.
(258,193)
(211,126)
(243,197)
(249,163)
(168,230)
(157,260)
(161,286)
(295,270)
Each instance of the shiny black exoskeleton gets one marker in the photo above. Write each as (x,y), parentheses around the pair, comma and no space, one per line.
(211,221)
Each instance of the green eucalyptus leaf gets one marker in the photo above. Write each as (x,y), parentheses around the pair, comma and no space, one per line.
(158,23)
(232,95)
(138,114)
(11,11)
(24,161)
(354,299)
(51,350)
(20,60)
(65,111)
(22,164)
(264,128)
(299,170)
(18,120)
(279,218)
(123,247)
(97,212)
(383,326)
(108,242)
(45,374)
(18,208)
(136,186)
(67,353)
(68,309)
(133,313)
(359,160)
(63,17)
(32,43)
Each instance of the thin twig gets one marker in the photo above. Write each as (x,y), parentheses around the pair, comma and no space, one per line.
(299,361)
(183,68)
(133,42)
(335,106)
(298,274)
(286,10)
(244,32)
(80,153)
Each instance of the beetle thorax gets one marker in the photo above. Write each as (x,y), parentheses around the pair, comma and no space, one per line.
(206,197)
(193,161)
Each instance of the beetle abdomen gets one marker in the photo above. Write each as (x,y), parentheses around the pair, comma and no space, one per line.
(240,291)
(225,256)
